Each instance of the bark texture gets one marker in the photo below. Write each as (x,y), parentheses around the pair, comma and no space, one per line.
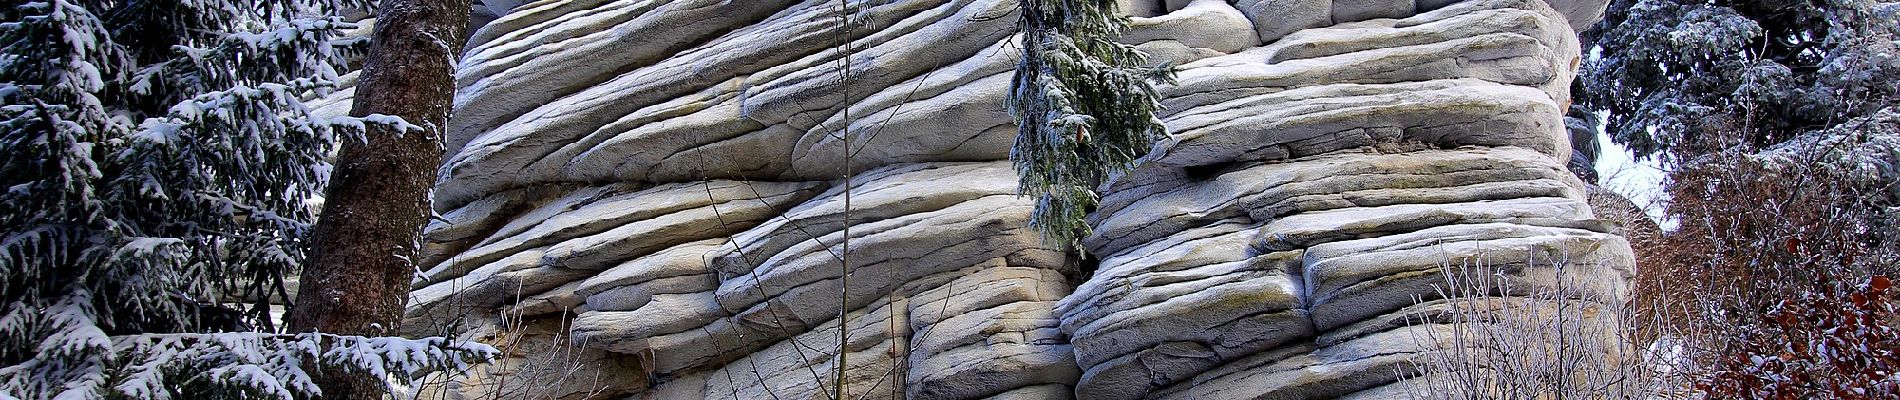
(357,280)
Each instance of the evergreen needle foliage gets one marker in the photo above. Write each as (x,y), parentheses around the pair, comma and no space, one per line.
(1675,74)
(159,167)
(1084,106)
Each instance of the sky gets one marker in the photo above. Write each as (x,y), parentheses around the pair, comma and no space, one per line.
(1640,181)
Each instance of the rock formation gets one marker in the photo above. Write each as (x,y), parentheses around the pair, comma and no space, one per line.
(662,184)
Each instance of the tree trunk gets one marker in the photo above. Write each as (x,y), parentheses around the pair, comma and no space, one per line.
(357,279)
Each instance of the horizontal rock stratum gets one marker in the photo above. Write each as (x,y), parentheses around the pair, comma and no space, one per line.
(647,199)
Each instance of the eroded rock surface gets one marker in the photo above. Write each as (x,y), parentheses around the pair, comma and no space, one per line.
(666,184)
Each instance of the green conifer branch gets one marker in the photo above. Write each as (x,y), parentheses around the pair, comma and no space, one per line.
(1084,106)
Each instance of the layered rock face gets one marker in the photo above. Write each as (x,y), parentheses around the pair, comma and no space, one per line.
(695,192)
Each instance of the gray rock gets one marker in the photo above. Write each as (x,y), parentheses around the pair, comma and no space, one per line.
(1304,371)
(1266,192)
(598,227)
(1040,392)
(1141,8)
(1206,24)
(953,32)
(679,269)
(667,187)
(1360,10)
(1351,281)
(1274,19)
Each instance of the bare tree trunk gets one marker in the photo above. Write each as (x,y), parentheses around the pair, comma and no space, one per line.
(357,279)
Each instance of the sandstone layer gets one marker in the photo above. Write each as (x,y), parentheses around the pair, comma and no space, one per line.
(668,186)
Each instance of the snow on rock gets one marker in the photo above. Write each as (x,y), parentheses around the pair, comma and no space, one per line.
(661,187)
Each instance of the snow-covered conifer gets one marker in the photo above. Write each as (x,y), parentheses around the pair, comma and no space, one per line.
(1682,72)
(157,164)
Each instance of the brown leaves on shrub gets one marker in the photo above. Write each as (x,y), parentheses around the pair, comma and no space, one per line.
(1842,344)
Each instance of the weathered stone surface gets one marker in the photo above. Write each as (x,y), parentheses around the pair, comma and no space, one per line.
(1350,281)
(592,228)
(1360,10)
(1360,158)
(1272,191)
(1306,371)
(987,333)
(1274,19)
(669,185)
(1201,29)
(677,270)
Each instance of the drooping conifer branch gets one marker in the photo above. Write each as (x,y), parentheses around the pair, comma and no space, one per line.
(1084,106)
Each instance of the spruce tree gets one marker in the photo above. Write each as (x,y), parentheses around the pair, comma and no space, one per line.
(1676,73)
(1084,106)
(160,166)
